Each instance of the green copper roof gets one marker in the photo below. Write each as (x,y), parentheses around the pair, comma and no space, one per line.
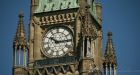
(92,4)
(93,10)
(54,5)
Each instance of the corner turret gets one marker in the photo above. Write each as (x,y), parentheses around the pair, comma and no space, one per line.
(110,62)
(20,48)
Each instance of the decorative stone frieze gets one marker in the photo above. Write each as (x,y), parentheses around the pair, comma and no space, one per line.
(55,19)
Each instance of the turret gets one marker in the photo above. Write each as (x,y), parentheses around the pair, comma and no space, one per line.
(88,35)
(110,62)
(34,4)
(20,48)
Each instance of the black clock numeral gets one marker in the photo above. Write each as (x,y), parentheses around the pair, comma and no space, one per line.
(67,35)
(51,53)
(68,46)
(63,31)
(52,32)
(47,48)
(57,53)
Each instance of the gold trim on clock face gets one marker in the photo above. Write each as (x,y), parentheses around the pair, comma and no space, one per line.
(57,42)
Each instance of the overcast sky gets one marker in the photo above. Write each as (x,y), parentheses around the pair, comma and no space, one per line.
(122,17)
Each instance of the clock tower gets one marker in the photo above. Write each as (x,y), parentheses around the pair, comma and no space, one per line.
(65,38)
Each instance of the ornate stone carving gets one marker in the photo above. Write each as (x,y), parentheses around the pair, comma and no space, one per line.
(56,70)
(55,19)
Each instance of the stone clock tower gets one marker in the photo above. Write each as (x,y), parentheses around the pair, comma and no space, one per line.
(65,38)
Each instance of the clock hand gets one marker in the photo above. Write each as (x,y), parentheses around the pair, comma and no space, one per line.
(52,38)
(62,41)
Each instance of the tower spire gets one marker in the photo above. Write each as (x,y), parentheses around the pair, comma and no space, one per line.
(110,52)
(110,61)
(20,38)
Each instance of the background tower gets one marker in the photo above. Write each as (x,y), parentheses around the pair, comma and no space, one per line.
(110,62)
(20,49)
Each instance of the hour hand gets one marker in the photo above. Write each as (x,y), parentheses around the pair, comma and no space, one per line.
(52,38)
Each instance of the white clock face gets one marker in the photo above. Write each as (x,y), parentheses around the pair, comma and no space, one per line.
(57,42)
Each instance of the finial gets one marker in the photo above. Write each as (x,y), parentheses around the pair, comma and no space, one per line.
(21,14)
(109,33)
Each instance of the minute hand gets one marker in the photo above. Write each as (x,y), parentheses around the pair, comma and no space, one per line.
(64,41)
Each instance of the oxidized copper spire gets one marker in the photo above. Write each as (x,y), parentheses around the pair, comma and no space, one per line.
(20,38)
(110,56)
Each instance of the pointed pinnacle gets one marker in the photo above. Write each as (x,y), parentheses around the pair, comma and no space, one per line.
(109,47)
(110,52)
(20,38)
(20,29)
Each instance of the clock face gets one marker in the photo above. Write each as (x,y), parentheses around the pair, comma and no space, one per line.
(57,42)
